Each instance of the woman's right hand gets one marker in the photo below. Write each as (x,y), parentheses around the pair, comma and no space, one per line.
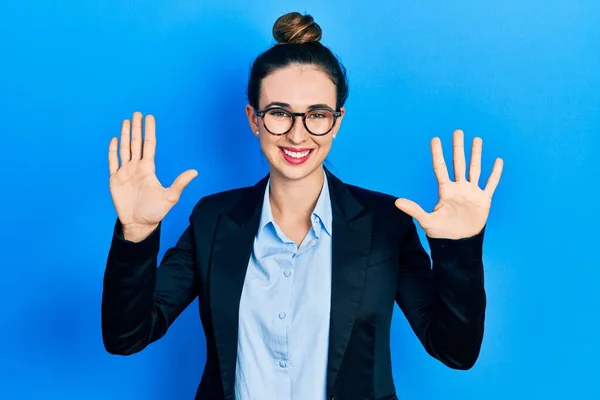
(140,200)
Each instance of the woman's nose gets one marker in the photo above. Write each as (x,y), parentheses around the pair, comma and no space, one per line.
(298,133)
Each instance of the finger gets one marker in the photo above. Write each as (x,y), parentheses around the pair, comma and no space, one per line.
(125,148)
(181,182)
(458,151)
(411,208)
(494,178)
(136,136)
(113,160)
(439,164)
(475,168)
(149,138)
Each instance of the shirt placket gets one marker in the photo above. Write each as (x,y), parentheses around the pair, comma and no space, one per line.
(281,319)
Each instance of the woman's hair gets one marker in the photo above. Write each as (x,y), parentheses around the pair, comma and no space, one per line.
(297,39)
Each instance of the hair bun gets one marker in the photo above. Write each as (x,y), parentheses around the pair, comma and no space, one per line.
(296,28)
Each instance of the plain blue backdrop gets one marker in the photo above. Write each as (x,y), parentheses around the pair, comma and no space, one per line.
(523,75)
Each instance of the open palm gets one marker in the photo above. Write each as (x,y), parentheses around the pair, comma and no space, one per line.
(138,196)
(463,208)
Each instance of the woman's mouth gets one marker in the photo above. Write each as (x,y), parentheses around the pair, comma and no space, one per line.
(295,156)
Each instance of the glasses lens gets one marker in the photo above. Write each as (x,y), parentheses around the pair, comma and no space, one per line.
(319,122)
(278,121)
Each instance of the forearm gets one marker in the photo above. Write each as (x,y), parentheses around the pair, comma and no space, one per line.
(456,330)
(128,315)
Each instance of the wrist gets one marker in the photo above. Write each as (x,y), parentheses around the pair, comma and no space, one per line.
(137,233)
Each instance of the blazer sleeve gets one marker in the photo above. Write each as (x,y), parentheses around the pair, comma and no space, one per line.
(139,300)
(444,304)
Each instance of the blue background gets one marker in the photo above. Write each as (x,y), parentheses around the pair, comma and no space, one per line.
(525,76)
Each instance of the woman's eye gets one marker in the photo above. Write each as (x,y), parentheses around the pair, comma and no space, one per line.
(318,115)
(278,114)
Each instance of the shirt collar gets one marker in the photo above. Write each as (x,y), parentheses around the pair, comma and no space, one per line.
(323,207)
(322,210)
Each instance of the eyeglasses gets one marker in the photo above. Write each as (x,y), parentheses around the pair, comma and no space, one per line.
(279,121)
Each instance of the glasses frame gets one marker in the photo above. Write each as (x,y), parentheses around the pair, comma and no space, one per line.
(294,115)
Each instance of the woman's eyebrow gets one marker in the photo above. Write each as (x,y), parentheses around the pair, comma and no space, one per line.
(278,104)
(318,106)
(286,105)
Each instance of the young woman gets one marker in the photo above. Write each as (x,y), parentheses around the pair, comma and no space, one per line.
(297,275)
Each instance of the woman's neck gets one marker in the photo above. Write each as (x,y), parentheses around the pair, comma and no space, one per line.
(295,199)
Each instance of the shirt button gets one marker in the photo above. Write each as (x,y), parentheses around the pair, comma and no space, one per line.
(281,315)
(287,273)
(282,364)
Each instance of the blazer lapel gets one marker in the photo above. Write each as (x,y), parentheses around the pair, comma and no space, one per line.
(234,239)
(351,242)
(231,253)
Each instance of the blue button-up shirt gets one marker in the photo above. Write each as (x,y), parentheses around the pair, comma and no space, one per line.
(283,335)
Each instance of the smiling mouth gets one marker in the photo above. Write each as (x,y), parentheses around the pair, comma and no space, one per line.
(296,156)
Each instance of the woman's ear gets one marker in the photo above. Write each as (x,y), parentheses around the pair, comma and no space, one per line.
(252,118)
(338,122)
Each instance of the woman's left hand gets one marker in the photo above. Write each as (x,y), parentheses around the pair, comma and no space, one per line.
(463,208)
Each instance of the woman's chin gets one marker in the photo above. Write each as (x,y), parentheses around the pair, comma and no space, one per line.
(293,172)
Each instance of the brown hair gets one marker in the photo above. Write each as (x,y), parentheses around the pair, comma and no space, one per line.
(296,28)
(298,42)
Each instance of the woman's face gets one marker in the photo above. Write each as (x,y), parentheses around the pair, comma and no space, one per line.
(295,88)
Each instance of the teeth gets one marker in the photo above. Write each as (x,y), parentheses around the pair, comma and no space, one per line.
(296,154)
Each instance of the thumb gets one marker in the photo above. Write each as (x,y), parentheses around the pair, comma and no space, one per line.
(182,181)
(411,208)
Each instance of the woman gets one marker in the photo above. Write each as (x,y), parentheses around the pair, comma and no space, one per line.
(297,276)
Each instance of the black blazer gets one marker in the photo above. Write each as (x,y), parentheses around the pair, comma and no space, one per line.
(377,258)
